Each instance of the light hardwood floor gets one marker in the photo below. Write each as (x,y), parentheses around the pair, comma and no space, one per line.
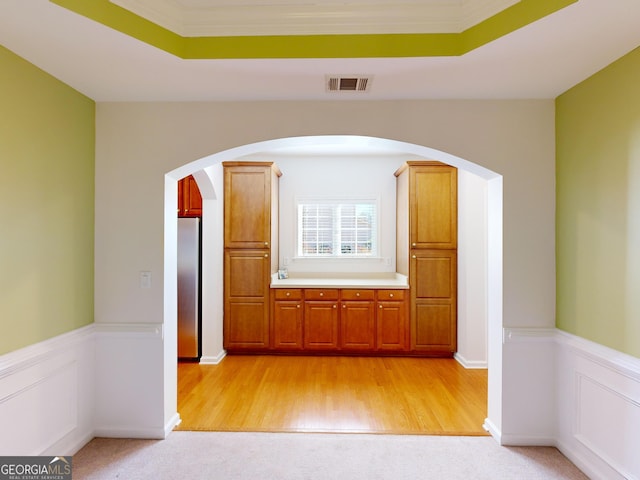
(396,395)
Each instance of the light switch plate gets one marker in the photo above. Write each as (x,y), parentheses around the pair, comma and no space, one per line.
(145,279)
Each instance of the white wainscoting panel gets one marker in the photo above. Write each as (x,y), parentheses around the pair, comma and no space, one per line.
(130,381)
(528,379)
(46,396)
(598,392)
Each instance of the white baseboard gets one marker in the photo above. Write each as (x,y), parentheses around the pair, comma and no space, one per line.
(124,432)
(470,364)
(171,424)
(55,379)
(493,430)
(207,360)
(527,440)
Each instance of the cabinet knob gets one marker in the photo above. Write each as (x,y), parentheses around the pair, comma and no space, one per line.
(266,244)
(413,244)
(357,294)
(288,294)
(344,306)
(335,306)
(379,306)
(391,295)
(266,255)
(413,256)
(321,294)
(298,306)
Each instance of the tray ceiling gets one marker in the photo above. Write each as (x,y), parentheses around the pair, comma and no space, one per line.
(111,54)
(193,18)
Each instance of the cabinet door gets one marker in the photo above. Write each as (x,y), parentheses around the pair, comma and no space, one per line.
(391,326)
(320,325)
(434,326)
(357,325)
(246,325)
(247,206)
(189,198)
(192,200)
(246,309)
(433,277)
(433,206)
(287,325)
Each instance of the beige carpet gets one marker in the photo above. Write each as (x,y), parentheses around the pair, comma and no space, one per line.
(283,456)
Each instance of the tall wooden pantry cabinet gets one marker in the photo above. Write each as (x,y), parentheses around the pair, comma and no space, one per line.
(250,252)
(427,241)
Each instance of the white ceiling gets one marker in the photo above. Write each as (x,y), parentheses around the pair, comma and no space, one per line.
(541,60)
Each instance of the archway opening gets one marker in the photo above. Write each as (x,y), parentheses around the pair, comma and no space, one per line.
(208,173)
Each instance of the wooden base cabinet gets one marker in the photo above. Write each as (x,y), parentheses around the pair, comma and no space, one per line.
(434,327)
(245,327)
(339,320)
(321,316)
(391,327)
(358,325)
(433,301)
(246,304)
(287,320)
(392,332)
(357,320)
(320,325)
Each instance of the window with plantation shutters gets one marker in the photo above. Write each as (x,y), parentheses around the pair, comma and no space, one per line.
(337,229)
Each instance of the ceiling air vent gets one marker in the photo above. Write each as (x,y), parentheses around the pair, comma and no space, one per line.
(348,83)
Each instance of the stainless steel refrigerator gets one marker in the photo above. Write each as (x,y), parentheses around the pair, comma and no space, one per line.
(189,329)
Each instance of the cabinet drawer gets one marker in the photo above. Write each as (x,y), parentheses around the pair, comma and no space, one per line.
(288,293)
(357,294)
(321,294)
(390,294)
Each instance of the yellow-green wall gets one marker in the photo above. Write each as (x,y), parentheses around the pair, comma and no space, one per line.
(47,145)
(598,207)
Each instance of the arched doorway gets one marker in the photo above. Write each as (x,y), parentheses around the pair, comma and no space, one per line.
(208,174)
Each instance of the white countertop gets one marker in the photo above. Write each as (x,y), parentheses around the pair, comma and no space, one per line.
(393,280)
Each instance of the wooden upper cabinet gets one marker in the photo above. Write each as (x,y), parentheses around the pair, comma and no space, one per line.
(432,189)
(189,198)
(433,206)
(250,204)
(192,202)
